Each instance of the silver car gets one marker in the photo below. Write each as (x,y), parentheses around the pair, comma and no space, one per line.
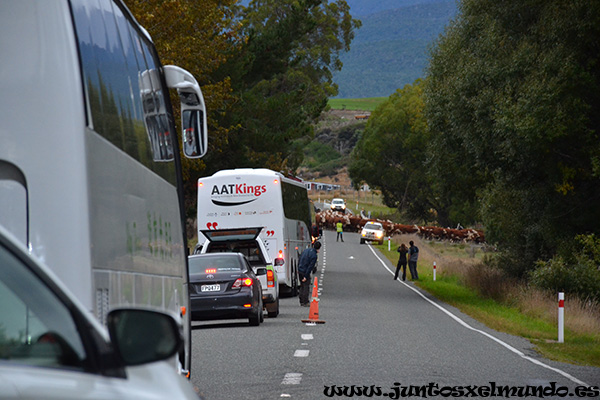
(52,347)
(372,231)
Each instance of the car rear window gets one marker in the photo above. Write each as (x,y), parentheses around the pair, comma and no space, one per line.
(199,265)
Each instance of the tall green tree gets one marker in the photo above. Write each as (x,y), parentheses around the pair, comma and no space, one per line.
(265,72)
(512,100)
(392,152)
(281,76)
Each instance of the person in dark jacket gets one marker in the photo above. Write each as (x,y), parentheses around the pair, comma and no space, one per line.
(402,262)
(413,256)
(306,264)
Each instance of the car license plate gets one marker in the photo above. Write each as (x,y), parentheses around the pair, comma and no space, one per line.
(210,288)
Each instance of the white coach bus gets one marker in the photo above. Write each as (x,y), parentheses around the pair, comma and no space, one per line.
(242,198)
(90,171)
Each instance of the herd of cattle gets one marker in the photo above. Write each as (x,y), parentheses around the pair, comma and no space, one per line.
(352,223)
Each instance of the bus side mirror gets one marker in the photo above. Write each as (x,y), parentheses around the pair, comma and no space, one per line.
(193,111)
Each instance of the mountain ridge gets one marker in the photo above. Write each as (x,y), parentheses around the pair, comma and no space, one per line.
(391,49)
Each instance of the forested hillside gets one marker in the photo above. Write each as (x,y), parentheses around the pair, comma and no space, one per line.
(391,48)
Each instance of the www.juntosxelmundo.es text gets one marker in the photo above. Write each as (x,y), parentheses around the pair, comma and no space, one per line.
(492,389)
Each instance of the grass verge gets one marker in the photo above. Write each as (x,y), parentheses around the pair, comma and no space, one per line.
(524,312)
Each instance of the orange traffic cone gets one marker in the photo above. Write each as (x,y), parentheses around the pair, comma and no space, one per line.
(315,292)
(313,313)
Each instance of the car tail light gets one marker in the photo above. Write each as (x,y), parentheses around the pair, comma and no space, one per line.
(239,282)
(270,278)
(210,271)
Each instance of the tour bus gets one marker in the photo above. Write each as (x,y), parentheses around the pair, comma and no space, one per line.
(90,169)
(241,198)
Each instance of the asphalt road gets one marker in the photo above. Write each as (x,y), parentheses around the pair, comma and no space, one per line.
(377,333)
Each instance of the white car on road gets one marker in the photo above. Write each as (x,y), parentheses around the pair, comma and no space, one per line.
(372,231)
(338,205)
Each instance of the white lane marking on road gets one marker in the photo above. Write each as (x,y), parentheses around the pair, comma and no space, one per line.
(463,323)
(291,378)
(307,336)
(301,353)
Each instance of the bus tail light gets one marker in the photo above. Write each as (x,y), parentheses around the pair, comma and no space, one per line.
(279,260)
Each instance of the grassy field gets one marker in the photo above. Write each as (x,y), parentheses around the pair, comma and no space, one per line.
(524,312)
(364,104)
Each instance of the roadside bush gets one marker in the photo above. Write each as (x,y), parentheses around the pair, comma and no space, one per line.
(577,274)
(489,281)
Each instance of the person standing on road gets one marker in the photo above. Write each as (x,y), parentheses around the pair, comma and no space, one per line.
(340,231)
(402,262)
(413,256)
(306,264)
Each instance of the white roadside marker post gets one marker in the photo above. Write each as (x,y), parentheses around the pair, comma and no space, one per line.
(434,269)
(561,317)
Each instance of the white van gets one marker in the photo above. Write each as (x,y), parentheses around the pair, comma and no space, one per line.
(243,198)
(90,172)
(246,241)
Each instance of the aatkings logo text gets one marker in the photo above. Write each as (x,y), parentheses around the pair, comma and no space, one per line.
(241,188)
